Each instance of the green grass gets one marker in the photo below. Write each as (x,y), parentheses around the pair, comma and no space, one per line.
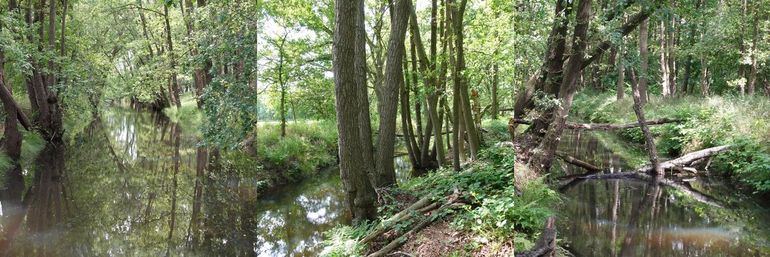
(712,121)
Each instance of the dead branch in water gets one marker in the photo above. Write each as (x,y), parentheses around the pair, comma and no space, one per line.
(641,173)
(605,126)
(577,162)
(688,159)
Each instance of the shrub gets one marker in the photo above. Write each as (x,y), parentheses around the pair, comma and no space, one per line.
(502,215)
(749,162)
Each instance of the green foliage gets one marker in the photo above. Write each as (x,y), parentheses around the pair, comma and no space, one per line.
(500,216)
(750,162)
(343,241)
(497,131)
(307,147)
(188,115)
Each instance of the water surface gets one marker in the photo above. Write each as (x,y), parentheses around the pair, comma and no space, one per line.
(135,184)
(635,218)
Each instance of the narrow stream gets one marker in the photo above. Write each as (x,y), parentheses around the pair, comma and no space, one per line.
(634,218)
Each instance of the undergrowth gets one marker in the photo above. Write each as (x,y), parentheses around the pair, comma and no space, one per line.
(497,209)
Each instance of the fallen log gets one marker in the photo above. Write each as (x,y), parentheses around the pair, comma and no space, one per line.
(688,158)
(399,217)
(605,126)
(401,240)
(641,173)
(577,162)
(546,244)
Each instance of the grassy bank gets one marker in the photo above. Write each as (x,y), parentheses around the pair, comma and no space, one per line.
(505,210)
(707,122)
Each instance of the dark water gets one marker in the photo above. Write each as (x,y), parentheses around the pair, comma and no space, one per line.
(635,218)
(135,184)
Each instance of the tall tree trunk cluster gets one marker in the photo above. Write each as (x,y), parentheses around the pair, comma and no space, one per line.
(667,55)
(559,76)
(40,83)
(397,87)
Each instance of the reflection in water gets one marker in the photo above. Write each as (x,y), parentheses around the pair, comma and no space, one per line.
(637,218)
(135,184)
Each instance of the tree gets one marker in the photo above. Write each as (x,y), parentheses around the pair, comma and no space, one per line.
(568,87)
(388,94)
(173,80)
(643,60)
(360,193)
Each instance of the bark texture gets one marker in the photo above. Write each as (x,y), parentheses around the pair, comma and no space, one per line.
(360,193)
(388,95)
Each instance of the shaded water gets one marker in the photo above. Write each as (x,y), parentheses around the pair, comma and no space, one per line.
(635,218)
(135,184)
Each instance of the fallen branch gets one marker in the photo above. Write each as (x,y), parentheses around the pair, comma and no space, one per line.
(7,99)
(605,126)
(401,240)
(641,173)
(688,158)
(577,162)
(399,217)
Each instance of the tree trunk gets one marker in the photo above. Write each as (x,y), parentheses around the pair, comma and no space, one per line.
(649,141)
(201,74)
(365,120)
(671,55)
(459,78)
(143,21)
(568,88)
(643,65)
(704,82)
(495,104)
(432,82)
(12,138)
(174,85)
(360,193)
(282,83)
(550,76)
(621,82)
(664,69)
(394,77)
(753,70)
